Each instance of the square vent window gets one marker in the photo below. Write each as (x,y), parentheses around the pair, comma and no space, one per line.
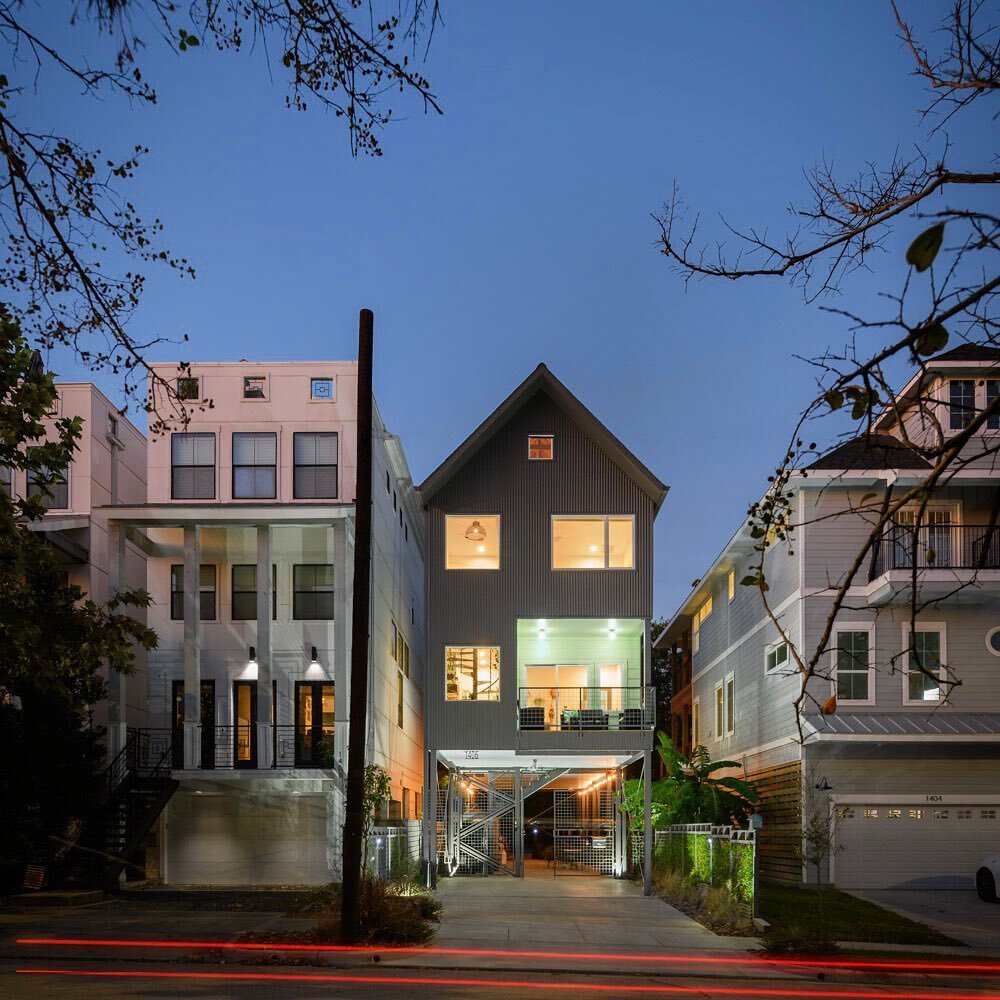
(541,447)
(188,388)
(255,387)
(321,388)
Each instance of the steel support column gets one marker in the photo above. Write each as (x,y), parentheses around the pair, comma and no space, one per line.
(518,825)
(647,823)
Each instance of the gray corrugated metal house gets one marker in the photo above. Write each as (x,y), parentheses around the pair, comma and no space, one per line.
(539,583)
(907,766)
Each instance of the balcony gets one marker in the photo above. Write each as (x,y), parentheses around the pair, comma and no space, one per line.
(948,560)
(593,718)
(235,747)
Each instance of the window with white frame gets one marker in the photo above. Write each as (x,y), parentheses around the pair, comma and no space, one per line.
(255,458)
(854,675)
(593,541)
(255,387)
(730,704)
(992,391)
(472,541)
(720,719)
(314,476)
(541,447)
(704,610)
(323,389)
(924,655)
(961,402)
(472,673)
(776,656)
(696,723)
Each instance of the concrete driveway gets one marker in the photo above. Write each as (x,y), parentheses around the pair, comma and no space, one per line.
(959,913)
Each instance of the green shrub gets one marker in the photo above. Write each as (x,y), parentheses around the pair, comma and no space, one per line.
(724,914)
(742,880)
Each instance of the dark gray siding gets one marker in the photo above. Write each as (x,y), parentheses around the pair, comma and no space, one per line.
(482,607)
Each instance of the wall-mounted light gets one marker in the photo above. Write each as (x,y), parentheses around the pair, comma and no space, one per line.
(252,658)
(542,626)
(313,661)
(315,668)
(250,670)
(612,628)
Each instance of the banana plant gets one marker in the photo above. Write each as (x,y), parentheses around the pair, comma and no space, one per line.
(692,792)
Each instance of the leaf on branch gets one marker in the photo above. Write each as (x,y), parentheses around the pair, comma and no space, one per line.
(924,248)
(829,706)
(834,399)
(931,340)
(869,496)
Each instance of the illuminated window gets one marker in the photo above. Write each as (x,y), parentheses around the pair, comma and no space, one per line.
(472,541)
(871,814)
(696,723)
(731,584)
(893,813)
(730,705)
(916,814)
(699,616)
(593,542)
(472,673)
(540,447)
(719,712)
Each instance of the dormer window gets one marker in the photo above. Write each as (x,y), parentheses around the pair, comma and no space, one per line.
(541,447)
(255,387)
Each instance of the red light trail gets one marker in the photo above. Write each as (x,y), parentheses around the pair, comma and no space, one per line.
(992,968)
(577,986)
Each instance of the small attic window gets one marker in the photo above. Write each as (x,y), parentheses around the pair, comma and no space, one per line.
(188,387)
(255,387)
(541,447)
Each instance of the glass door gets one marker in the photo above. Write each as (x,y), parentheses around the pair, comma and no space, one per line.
(207,723)
(244,720)
(934,537)
(314,713)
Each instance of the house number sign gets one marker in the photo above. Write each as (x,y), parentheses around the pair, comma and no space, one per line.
(472,755)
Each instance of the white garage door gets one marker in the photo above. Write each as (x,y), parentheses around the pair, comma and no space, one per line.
(913,847)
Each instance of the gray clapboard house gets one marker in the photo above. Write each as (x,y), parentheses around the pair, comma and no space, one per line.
(907,766)
(540,587)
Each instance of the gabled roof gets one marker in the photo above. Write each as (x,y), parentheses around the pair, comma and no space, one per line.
(968,352)
(542,380)
(871,451)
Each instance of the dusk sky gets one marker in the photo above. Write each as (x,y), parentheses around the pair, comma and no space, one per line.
(516,227)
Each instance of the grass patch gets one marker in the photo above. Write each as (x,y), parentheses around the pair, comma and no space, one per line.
(838,916)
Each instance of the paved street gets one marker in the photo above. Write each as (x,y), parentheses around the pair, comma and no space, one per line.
(130,982)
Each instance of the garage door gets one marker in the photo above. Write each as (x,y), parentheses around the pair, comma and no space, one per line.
(913,847)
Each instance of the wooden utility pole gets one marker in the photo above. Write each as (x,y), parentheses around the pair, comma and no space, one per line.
(350,905)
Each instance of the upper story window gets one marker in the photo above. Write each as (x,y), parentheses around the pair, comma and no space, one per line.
(192,470)
(731,583)
(730,704)
(57,495)
(189,387)
(255,387)
(244,596)
(206,592)
(852,666)
(924,652)
(720,712)
(472,673)
(322,388)
(315,473)
(541,447)
(472,541)
(255,465)
(112,426)
(696,619)
(776,656)
(961,402)
(593,541)
(992,391)
(312,593)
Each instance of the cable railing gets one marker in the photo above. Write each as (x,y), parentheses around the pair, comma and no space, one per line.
(567,709)
(939,546)
(227,747)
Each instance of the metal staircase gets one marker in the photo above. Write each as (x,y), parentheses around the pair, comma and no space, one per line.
(137,786)
(484,819)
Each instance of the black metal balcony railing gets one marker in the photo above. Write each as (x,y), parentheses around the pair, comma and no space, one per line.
(939,546)
(566,709)
(225,747)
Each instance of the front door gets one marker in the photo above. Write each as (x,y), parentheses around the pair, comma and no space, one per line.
(314,711)
(244,722)
(207,723)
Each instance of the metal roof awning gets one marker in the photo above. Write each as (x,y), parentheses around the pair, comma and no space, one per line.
(939,725)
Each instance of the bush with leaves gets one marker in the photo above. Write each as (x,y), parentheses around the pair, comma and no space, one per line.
(692,792)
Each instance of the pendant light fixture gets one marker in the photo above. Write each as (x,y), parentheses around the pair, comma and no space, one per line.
(475,532)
